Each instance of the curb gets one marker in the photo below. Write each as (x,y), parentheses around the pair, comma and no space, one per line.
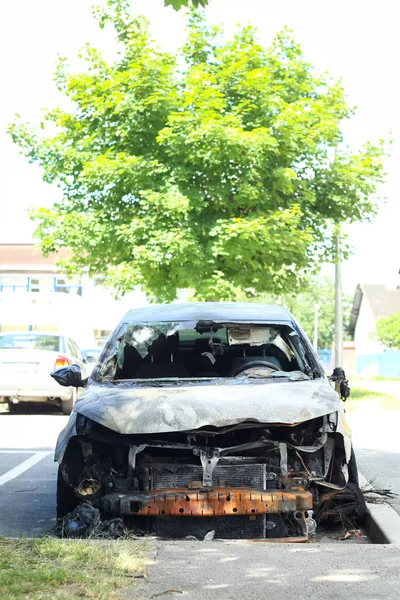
(382,524)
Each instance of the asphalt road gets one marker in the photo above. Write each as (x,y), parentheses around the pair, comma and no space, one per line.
(376,439)
(27,470)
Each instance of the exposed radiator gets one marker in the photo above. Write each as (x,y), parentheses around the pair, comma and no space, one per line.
(224,475)
(254,475)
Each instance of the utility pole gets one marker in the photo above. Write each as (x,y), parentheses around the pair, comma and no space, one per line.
(338,303)
(316,314)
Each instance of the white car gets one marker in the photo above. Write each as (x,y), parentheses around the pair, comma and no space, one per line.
(26,360)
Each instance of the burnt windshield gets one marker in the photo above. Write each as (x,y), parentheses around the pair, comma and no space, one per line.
(203,350)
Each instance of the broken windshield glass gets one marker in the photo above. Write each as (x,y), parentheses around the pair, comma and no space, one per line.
(193,350)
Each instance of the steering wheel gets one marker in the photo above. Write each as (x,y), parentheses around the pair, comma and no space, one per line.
(255,363)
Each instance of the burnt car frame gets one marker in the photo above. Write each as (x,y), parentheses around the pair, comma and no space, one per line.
(207,416)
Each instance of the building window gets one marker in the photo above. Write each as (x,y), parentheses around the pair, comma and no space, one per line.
(68,286)
(14,284)
(41,284)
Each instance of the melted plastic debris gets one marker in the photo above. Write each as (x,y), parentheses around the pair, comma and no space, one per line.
(81,522)
(84,521)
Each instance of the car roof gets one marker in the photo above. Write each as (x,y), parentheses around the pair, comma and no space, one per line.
(55,333)
(229,312)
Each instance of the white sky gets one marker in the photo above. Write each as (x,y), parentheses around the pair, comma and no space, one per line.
(357,40)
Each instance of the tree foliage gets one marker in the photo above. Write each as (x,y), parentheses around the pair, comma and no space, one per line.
(178,4)
(388,331)
(319,290)
(211,170)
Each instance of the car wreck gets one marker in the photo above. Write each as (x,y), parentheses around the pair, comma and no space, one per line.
(208,416)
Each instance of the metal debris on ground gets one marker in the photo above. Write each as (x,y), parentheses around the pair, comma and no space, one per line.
(170,591)
(378,496)
(346,507)
(353,533)
(209,536)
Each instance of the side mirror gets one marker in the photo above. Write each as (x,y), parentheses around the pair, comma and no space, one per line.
(69,376)
(342,387)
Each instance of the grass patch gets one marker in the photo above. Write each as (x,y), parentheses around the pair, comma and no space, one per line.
(362,397)
(380,378)
(48,568)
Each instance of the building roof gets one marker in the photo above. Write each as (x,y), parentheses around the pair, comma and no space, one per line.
(26,257)
(222,312)
(384,301)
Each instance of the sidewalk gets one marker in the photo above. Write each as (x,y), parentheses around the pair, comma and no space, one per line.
(246,570)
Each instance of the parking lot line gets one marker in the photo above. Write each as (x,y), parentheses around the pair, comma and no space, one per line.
(24,466)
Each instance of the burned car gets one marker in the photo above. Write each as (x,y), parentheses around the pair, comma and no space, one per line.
(207,417)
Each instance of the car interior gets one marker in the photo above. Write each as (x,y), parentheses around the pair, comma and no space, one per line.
(204,354)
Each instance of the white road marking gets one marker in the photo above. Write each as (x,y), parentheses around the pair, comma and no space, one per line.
(24,466)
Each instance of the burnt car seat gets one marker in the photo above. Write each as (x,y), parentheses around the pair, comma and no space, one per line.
(161,360)
(203,366)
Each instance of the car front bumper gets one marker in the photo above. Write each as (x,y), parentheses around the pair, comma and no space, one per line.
(208,502)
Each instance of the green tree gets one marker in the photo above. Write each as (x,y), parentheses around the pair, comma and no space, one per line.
(388,331)
(318,290)
(178,4)
(211,170)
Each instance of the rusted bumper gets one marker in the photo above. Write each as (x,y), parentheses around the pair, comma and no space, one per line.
(212,502)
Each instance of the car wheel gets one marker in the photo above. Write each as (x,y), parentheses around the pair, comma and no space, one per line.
(68,405)
(353,469)
(66,500)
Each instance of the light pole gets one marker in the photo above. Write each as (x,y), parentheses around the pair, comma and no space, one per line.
(338,303)
(316,314)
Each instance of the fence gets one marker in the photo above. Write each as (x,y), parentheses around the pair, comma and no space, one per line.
(386,364)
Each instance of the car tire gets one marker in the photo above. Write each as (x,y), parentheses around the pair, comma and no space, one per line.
(353,469)
(68,405)
(66,500)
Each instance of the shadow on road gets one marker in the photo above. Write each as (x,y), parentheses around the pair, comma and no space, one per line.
(31,408)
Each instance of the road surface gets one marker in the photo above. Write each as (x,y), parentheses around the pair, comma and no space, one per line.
(27,470)
(376,439)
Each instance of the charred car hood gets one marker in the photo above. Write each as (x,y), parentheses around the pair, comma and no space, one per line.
(141,410)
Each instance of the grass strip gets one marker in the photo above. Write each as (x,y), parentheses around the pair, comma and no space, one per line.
(363,398)
(49,568)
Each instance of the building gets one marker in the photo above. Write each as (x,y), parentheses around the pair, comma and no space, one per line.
(371,302)
(36,296)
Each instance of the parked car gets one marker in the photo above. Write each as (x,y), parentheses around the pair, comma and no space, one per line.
(26,359)
(209,416)
(90,356)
